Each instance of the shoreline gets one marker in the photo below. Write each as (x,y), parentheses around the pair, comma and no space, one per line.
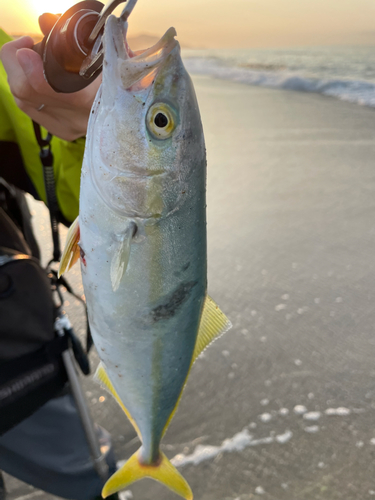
(299,91)
(271,70)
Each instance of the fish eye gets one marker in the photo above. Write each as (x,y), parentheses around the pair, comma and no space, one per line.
(161,120)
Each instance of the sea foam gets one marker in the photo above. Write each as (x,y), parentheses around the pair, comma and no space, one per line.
(352,90)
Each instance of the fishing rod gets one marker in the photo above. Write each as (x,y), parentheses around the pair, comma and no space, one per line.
(72,52)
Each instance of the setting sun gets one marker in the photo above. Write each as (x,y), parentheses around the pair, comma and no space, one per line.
(57,6)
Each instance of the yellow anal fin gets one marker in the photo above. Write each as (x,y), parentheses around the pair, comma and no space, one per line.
(132,471)
(102,378)
(213,324)
(71,251)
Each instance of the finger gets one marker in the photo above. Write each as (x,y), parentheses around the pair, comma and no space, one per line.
(79,103)
(26,106)
(9,49)
(26,80)
(43,117)
(60,127)
(47,22)
(16,76)
(30,63)
(32,66)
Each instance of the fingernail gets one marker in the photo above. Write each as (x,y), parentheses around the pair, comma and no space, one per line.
(24,60)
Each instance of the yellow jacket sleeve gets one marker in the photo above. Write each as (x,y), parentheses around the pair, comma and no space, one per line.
(16,126)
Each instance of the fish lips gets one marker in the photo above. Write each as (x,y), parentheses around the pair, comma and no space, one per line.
(133,70)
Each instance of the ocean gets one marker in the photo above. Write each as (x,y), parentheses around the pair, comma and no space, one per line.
(346,73)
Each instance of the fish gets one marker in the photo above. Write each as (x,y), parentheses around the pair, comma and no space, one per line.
(141,239)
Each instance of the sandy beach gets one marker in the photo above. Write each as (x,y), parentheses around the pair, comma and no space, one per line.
(291,234)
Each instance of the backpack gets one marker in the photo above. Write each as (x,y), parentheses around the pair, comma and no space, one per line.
(33,330)
(31,369)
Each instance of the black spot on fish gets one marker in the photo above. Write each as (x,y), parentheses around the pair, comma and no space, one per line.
(186,266)
(174,302)
(182,270)
(82,255)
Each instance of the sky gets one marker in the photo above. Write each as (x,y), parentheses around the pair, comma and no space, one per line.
(227,23)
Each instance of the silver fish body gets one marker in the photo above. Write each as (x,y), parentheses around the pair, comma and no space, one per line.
(136,183)
(141,236)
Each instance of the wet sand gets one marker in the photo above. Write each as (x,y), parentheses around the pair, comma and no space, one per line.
(291,233)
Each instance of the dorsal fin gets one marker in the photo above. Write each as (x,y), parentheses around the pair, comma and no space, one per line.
(213,324)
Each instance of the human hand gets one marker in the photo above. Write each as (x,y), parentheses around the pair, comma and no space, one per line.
(63,115)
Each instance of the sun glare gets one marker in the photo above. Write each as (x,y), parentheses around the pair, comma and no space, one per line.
(56,7)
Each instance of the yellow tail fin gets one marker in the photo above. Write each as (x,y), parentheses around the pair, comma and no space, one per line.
(132,471)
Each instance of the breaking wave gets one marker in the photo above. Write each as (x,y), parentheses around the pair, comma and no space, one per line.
(356,91)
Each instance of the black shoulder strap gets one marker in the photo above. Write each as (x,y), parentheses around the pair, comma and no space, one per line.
(46,158)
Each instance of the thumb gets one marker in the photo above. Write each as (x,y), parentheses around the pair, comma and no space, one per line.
(29,61)
(32,66)
(47,22)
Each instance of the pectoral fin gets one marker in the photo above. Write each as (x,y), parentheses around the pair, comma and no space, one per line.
(213,324)
(121,254)
(102,378)
(71,251)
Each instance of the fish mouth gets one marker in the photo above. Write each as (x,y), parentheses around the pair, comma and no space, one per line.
(137,69)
